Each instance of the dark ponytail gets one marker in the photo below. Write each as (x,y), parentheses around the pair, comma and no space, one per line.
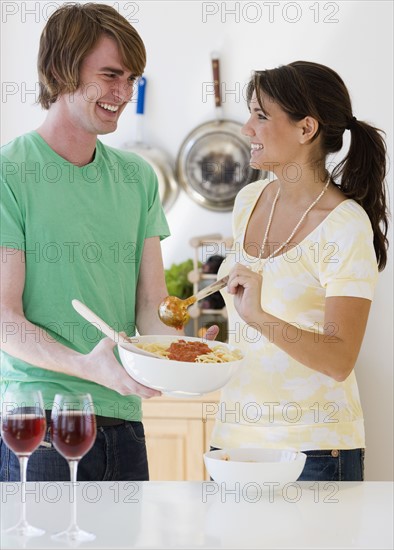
(362,173)
(305,89)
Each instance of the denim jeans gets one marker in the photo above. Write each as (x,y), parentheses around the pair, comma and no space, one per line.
(119,454)
(332,465)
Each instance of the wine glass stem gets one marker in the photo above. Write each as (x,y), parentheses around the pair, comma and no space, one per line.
(23,470)
(73,464)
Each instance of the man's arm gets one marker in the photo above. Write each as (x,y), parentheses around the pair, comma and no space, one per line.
(151,290)
(100,365)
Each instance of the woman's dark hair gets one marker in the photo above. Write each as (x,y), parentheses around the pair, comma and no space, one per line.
(305,89)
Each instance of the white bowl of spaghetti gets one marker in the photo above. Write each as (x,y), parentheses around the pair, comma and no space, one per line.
(214,364)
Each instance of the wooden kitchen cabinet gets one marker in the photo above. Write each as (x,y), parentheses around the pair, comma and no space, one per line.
(177,436)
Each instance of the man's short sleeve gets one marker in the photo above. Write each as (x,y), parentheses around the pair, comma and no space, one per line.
(12,226)
(156,223)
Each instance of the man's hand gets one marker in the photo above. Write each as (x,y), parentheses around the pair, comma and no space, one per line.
(102,367)
(212,332)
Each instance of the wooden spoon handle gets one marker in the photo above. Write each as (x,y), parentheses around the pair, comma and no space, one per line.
(210,289)
(97,321)
(118,338)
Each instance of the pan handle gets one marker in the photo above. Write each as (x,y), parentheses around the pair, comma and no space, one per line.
(141,87)
(141,95)
(216,79)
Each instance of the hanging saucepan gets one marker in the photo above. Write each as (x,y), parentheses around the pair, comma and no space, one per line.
(213,161)
(160,162)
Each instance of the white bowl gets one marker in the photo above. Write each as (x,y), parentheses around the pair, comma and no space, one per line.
(177,378)
(254,465)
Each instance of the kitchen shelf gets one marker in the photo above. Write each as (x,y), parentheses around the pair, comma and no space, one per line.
(200,245)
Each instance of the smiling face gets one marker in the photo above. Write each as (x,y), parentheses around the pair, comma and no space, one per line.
(105,88)
(274,138)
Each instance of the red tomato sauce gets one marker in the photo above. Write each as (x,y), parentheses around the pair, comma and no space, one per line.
(187,351)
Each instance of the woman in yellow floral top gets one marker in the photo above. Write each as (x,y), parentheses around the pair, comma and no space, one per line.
(307,249)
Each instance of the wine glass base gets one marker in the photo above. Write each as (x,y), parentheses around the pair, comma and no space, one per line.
(73,534)
(23,530)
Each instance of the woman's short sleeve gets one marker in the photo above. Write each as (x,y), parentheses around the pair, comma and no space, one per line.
(348,265)
(244,204)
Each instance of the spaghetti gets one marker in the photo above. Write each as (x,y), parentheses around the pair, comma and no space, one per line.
(192,352)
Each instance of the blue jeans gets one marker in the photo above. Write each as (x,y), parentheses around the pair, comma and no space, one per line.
(119,454)
(332,465)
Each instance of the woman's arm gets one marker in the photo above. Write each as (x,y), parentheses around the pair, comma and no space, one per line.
(334,352)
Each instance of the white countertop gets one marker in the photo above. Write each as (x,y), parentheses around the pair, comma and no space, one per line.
(203,515)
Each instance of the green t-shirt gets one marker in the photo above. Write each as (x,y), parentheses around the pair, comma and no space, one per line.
(83,231)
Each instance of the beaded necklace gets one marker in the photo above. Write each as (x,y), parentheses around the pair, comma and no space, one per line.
(294,230)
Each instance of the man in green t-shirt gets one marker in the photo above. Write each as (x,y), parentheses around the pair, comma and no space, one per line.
(80,220)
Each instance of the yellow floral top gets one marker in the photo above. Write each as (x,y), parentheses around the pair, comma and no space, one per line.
(275,401)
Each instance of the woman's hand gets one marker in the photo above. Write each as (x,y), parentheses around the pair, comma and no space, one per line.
(245,285)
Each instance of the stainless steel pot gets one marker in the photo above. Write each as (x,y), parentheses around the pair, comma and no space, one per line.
(213,161)
(160,162)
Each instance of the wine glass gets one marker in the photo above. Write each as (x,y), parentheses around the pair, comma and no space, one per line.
(73,429)
(23,426)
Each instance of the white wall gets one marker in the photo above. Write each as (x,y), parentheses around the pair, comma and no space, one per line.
(354,38)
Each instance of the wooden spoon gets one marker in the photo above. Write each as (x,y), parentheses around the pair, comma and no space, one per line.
(173,310)
(118,338)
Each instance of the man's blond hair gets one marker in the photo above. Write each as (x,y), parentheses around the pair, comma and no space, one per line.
(70,34)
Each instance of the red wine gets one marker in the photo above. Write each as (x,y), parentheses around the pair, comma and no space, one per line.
(23,432)
(73,433)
